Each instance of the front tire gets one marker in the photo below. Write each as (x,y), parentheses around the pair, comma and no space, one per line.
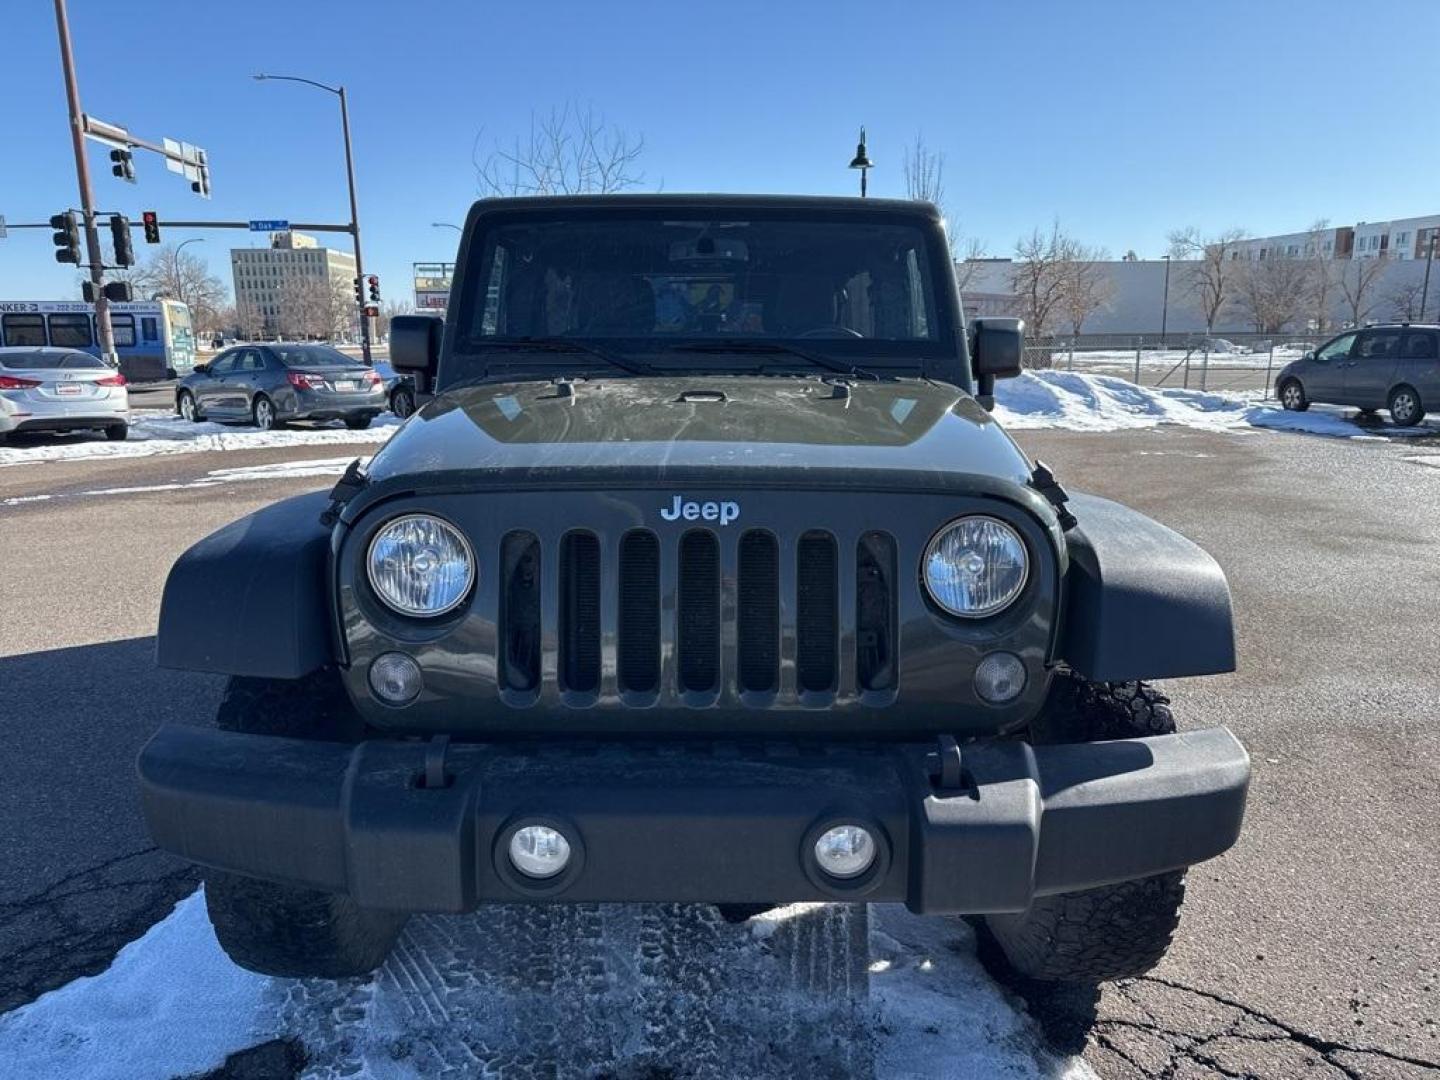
(278,929)
(358,423)
(1115,931)
(402,403)
(188,407)
(1292,396)
(1406,409)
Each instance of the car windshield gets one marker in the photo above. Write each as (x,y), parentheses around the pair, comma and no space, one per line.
(49,361)
(655,284)
(310,356)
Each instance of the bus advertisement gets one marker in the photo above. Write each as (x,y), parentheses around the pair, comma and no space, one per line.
(153,338)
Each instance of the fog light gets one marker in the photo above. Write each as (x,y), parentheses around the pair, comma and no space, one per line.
(539,851)
(1000,677)
(395,678)
(846,851)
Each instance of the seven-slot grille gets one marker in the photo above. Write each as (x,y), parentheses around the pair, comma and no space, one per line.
(701,615)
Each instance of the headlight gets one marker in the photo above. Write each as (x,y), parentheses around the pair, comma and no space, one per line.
(420,565)
(975,566)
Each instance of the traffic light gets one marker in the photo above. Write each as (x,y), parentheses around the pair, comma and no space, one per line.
(201,184)
(66,238)
(120,234)
(118,292)
(374,282)
(371,311)
(152,226)
(359,293)
(122,165)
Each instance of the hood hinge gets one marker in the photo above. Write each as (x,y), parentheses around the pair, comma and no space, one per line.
(1043,481)
(350,484)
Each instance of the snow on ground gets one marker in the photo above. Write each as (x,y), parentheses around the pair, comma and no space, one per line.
(579,991)
(153,431)
(278,470)
(1078,402)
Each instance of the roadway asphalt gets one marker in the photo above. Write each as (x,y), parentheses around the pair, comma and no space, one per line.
(1310,950)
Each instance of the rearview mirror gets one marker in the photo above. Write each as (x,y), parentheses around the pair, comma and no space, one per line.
(415,348)
(997,351)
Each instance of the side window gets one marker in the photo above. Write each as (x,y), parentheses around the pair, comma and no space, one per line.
(1338,349)
(1418,345)
(24,329)
(251,360)
(124,329)
(224,364)
(1378,345)
(71,331)
(150,328)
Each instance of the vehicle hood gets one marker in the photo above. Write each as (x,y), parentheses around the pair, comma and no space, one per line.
(658,426)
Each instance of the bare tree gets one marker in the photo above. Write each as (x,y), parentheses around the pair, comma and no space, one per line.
(1210,268)
(180,275)
(924,171)
(1273,292)
(1358,283)
(1087,287)
(968,264)
(1404,301)
(1038,279)
(570,151)
(249,321)
(313,307)
(1323,271)
(388,311)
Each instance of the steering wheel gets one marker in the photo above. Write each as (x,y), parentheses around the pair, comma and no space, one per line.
(831,330)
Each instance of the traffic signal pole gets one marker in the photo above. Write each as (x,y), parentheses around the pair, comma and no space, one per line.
(87,198)
(355,224)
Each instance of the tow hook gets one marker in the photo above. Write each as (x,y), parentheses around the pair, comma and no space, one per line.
(435,775)
(946,766)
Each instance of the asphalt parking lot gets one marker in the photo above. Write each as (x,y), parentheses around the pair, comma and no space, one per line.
(1312,949)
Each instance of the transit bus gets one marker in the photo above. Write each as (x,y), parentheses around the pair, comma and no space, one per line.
(153,338)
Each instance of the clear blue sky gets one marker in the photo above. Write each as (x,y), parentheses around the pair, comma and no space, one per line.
(1122,119)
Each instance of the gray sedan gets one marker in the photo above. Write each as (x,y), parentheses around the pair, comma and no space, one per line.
(1389,367)
(61,390)
(267,385)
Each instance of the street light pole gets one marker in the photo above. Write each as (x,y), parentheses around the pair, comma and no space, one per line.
(445,225)
(862,161)
(1165,304)
(178,249)
(339,91)
(1429,258)
(87,197)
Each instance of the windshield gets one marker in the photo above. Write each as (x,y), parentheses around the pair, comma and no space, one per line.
(849,287)
(49,361)
(313,356)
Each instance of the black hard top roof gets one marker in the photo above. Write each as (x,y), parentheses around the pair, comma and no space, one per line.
(833,203)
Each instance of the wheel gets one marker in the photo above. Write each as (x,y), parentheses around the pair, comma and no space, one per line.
(358,423)
(1406,409)
(1115,931)
(263,413)
(402,403)
(188,407)
(117,432)
(1292,396)
(280,929)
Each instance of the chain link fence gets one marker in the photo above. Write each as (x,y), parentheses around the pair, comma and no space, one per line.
(1241,363)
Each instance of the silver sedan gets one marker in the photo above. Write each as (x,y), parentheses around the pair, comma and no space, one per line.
(61,390)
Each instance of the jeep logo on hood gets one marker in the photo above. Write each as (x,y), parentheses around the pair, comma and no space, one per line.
(723,512)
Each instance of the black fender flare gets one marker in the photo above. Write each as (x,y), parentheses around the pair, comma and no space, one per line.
(1141,601)
(254,597)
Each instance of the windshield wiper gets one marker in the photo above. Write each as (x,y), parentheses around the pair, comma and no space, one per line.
(564,344)
(829,363)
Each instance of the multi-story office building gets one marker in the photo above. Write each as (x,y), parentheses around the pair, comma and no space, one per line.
(271,282)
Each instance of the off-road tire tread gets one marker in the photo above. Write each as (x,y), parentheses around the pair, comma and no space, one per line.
(278,929)
(1116,931)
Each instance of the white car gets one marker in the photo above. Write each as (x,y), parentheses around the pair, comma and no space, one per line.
(61,390)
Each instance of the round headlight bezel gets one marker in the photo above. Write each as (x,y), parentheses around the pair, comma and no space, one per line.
(388,602)
(995,608)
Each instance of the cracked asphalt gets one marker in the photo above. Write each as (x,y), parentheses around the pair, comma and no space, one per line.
(1312,949)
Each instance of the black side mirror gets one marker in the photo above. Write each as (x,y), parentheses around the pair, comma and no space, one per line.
(201,369)
(415,348)
(997,351)
(1308,355)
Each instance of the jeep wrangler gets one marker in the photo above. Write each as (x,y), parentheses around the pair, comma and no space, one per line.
(705,576)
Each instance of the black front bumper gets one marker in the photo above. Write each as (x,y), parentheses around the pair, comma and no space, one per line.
(712,823)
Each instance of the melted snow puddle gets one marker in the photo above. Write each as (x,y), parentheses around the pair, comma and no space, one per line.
(806,990)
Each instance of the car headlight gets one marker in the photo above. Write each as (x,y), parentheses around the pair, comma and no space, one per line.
(975,566)
(421,565)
